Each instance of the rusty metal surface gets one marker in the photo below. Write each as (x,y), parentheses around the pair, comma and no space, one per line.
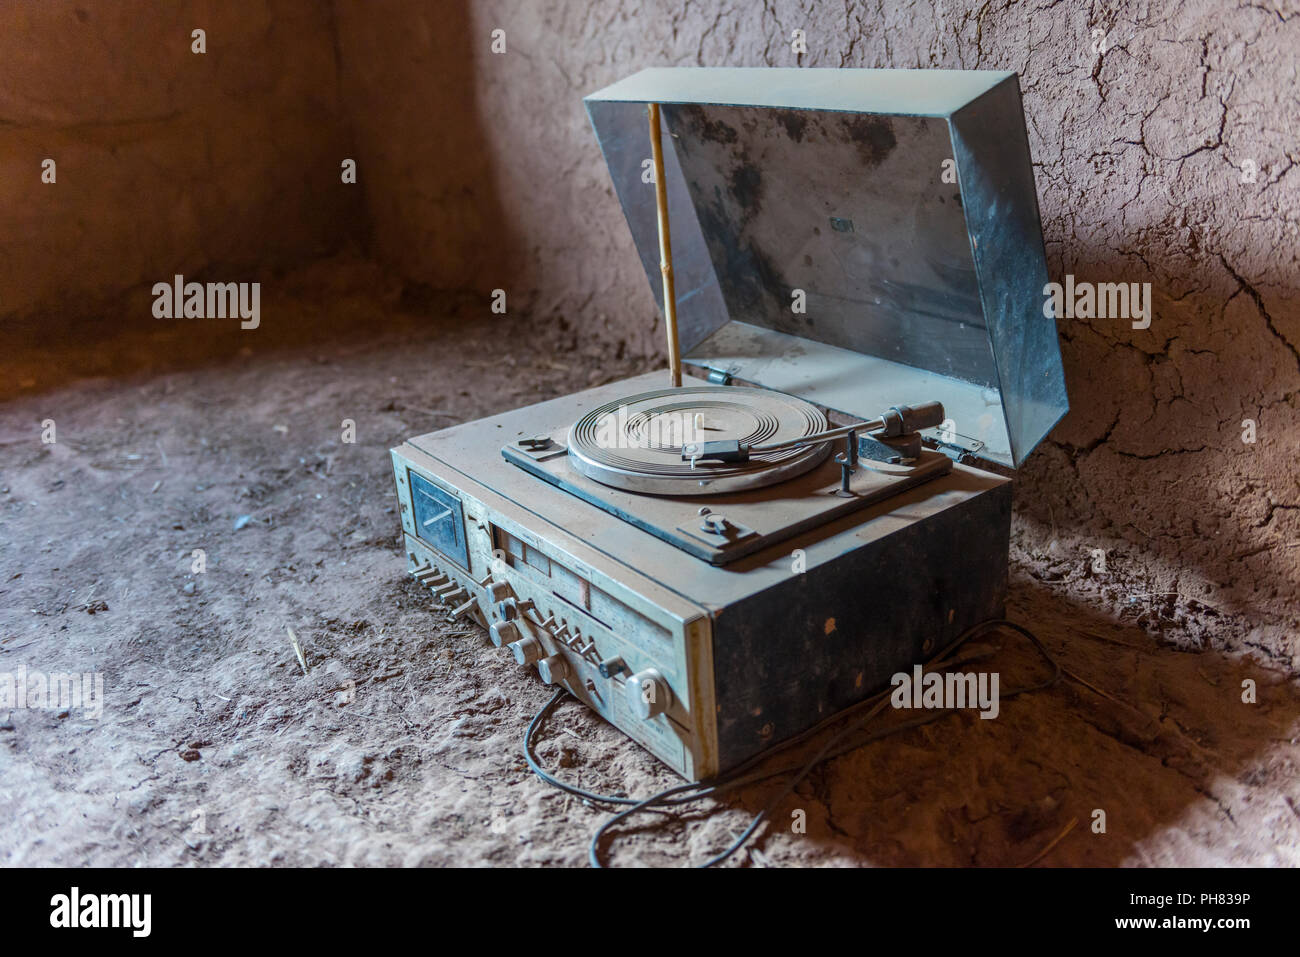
(849,208)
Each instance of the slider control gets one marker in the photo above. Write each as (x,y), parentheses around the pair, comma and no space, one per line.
(512,608)
(612,667)
(462,609)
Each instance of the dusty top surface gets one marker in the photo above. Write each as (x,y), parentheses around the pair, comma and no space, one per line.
(474,453)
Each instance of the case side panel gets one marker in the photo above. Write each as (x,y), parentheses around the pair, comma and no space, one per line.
(799,652)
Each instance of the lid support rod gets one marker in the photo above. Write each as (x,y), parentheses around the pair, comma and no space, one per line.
(665,250)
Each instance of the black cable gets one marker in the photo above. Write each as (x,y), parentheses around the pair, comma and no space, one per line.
(835,746)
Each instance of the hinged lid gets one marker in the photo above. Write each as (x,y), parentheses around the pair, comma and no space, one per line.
(861,238)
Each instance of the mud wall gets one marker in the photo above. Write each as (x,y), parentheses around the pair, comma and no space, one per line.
(1164,137)
(165,160)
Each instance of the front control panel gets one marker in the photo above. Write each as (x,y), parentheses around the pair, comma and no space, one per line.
(636,662)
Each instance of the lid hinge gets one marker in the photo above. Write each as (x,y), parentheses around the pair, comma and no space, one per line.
(718,376)
(958,447)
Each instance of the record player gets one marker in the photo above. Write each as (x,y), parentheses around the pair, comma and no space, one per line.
(814,497)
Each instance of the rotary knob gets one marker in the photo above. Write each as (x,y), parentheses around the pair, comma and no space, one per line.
(647,693)
(526,650)
(554,669)
(500,591)
(504,633)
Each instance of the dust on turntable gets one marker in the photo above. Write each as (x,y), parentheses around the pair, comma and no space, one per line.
(810,501)
(637,443)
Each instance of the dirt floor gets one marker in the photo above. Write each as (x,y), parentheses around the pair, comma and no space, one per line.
(401,745)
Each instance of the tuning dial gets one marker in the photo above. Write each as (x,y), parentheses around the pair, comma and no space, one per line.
(500,591)
(526,650)
(504,633)
(647,693)
(553,670)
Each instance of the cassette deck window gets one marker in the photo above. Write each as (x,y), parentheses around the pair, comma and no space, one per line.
(439,519)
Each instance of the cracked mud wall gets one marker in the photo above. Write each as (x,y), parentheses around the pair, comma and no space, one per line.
(1139,156)
(216,164)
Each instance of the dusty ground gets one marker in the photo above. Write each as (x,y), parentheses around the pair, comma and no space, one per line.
(401,744)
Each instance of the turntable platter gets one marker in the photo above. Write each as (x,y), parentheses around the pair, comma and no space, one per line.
(636,443)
